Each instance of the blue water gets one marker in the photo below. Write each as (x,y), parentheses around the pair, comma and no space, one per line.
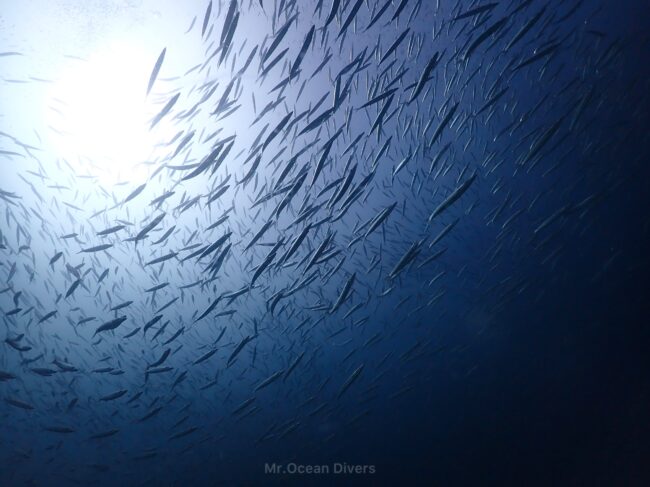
(452,286)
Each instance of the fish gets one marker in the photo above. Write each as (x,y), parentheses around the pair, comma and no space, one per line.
(205,356)
(113,396)
(399,9)
(156,70)
(243,406)
(345,293)
(150,414)
(6,376)
(351,16)
(161,360)
(137,191)
(47,316)
(277,40)
(104,434)
(475,11)
(18,403)
(59,429)
(206,18)
(393,47)
(150,323)
(183,433)
(44,372)
(306,43)
(238,349)
(443,123)
(293,366)
(379,219)
(55,257)
(493,29)
(269,380)
(164,111)
(405,260)
(96,248)
(72,288)
(350,380)
(163,258)
(453,197)
(111,230)
(375,18)
(525,29)
(334,7)
(424,77)
(110,325)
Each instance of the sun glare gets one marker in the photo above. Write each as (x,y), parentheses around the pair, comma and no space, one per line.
(99,116)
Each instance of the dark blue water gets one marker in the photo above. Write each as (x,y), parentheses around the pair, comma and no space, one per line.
(237,254)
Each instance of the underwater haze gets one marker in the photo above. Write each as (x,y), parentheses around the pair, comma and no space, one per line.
(324,242)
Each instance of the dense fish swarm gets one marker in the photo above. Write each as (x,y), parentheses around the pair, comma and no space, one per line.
(344,196)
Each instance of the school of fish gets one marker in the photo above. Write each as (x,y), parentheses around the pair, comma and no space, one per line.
(346,178)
